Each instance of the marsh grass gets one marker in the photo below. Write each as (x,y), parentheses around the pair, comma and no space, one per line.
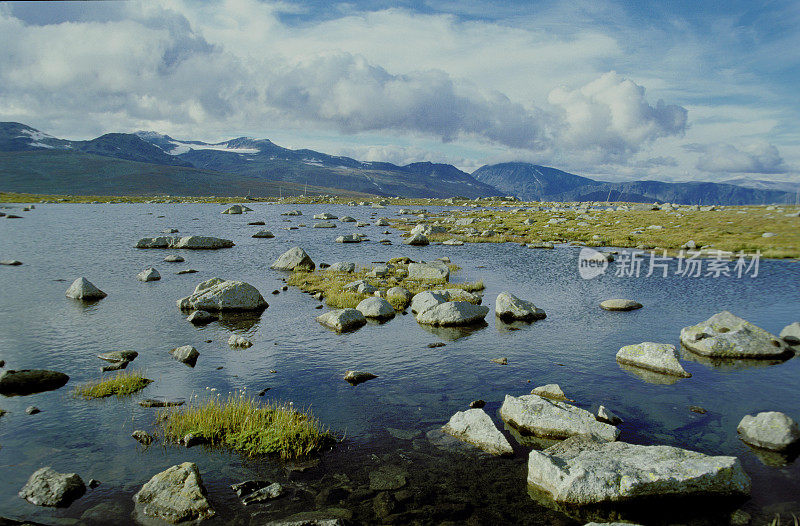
(777,521)
(124,383)
(241,423)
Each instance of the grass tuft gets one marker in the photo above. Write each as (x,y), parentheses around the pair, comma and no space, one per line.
(123,384)
(243,424)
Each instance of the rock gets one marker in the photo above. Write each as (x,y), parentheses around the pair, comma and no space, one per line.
(380,271)
(352,238)
(93,483)
(725,335)
(791,333)
(387,478)
(453,242)
(551,391)
(292,213)
(325,216)
(361,286)
(477,404)
(201,317)
(185,354)
(452,313)
(50,488)
(460,295)
(605,414)
(544,418)
(697,409)
(429,271)
(582,471)
(83,289)
(237,209)
(347,219)
(257,223)
(476,427)
(620,304)
(239,341)
(399,297)
(342,266)
(254,491)
(657,357)
(500,361)
(11,262)
(323,225)
(143,437)
(175,495)
(382,222)
(32,410)
(148,274)
(508,307)
(377,308)
(771,430)
(263,234)
(418,240)
(186,271)
(294,259)
(187,242)
(174,258)
(118,356)
(29,381)
(357,377)
(342,320)
(152,402)
(427,300)
(170,231)
(217,294)
(542,244)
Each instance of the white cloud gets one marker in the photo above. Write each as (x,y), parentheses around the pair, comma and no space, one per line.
(755,158)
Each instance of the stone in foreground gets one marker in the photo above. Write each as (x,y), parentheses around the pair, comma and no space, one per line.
(148,274)
(185,354)
(342,320)
(476,427)
(657,357)
(583,471)
(187,242)
(620,304)
(511,308)
(294,259)
(175,495)
(29,381)
(217,294)
(50,488)
(453,313)
(377,308)
(725,335)
(543,418)
(83,289)
(551,391)
(769,430)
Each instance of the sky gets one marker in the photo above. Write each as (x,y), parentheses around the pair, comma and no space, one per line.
(679,90)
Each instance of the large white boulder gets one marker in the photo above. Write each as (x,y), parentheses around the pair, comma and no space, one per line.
(148,274)
(342,320)
(429,271)
(657,357)
(294,259)
(376,307)
(83,289)
(175,495)
(553,419)
(508,307)
(217,294)
(769,430)
(428,299)
(583,471)
(342,266)
(418,240)
(791,333)
(452,313)
(46,487)
(725,335)
(476,427)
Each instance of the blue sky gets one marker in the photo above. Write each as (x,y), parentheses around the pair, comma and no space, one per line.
(615,90)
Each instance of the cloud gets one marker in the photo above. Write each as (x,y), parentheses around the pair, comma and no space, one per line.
(612,116)
(756,158)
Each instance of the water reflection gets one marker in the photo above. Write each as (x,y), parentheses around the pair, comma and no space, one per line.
(452,334)
(239,321)
(649,376)
(729,364)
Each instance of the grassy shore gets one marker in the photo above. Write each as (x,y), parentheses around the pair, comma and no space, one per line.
(243,424)
(123,384)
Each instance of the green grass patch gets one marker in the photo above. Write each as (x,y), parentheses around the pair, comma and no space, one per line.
(123,384)
(241,423)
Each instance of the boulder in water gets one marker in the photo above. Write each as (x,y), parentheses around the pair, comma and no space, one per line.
(83,289)
(29,381)
(476,427)
(294,259)
(508,307)
(725,335)
(47,487)
(453,313)
(175,495)
(342,320)
(148,274)
(657,357)
(769,430)
(217,294)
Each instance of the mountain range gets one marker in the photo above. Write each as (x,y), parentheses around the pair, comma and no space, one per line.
(150,163)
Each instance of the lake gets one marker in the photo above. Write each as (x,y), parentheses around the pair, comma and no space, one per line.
(389,421)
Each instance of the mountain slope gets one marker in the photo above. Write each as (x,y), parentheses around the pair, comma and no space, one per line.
(529,182)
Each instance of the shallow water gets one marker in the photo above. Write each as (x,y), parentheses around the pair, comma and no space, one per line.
(418,388)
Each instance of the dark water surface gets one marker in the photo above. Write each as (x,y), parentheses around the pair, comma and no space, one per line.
(418,388)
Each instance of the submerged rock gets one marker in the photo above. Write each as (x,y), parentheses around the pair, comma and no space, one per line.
(769,430)
(217,294)
(174,258)
(725,335)
(476,427)
(185,354)
(11,262)
(175,495)
(187,242)
(118,356)
(201,317)
(510,308)
(263,234)
(83,289)
(29,381)
(342,320)
(620,304)
(294,259)
(358,377)
(239,341)
(47,487)
(377,308)
(605,414)
(148,274)
(544,418)
(791,333)
(453,313)
(583,471)
(551,391)
(254,491)
(143,437)
(657,357)
(351,238)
